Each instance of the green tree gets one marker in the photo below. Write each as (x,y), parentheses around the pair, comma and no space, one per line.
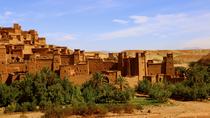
(159,92)
(143,86)
(122,83)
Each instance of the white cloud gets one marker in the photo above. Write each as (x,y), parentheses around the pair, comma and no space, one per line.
(59,36)
(139,19)
(10,17)
(120,21)
(7,13)
(67,37)
(167,26)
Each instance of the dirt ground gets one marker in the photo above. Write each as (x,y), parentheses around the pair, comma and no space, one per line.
(176,109)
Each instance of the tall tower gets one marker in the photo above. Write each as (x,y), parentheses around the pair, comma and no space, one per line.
(121,63)
(82,55)
(76,56)
(169,65)
(142,65)
(56,61)
(3,66)
(17,28)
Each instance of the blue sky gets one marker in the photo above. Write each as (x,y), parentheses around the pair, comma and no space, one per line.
(114,25)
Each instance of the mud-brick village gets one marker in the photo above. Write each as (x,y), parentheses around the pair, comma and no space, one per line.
(25,52)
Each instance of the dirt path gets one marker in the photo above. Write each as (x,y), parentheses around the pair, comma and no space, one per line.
(21,115)
(176,109)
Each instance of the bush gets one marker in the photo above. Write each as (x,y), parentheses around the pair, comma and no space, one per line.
(159,92)
(54,112)
(208,88)
(123,96)
(11,108)
(197,91)
(98,90)
(26,106)
(43,89)
(8,95)
(143,86)
(122,108)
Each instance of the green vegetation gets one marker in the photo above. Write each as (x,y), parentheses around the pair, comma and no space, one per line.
(143,86)
(98,90)
(159,92)
(47,92)
(143,101)
(195,87)
(38,91)
(91,109)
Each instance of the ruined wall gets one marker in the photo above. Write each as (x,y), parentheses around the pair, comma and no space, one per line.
(16,67)
(34,64)
(70,71)
(18,52)
(98,65)
(154,69)
(112,75)
(66,60)
(43,63)
(41,51)
(56,62)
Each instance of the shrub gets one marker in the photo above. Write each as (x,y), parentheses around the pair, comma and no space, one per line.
(122,108)
(129,108)
(54,112)
(196,91)
(208,88)
(159,92)
(11,108)
(182,71)
(143,86)
(26,106)
(115,108)
(8,95)
(123,96)
(98,90)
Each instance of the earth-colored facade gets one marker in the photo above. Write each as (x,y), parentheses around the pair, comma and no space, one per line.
(24,52)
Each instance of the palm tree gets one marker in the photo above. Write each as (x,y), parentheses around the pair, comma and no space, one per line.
(98,80)
(122,83)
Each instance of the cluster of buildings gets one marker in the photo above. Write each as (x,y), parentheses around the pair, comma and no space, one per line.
(24,52)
